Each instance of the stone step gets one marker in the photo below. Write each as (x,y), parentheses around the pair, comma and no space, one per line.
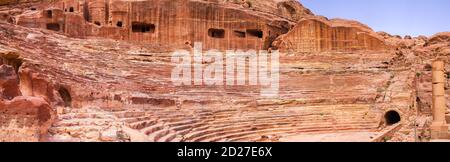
(130,114)
(86,115)
(244,129)
(236,135)
(84,110)
(82,122)
(174,119)
(274,121)
(183,122)
(241,128)
(143,124)
(153,128)
(156,135)
(138,119)
(299,130)
(187,127)
(164,136)
(177,139)
(75,129)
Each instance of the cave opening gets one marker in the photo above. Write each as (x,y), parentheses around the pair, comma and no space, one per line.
(97,23)
(65,95)
(53,26)
(216,33)
(428,67)
(71,9)
(49,13)
(255,33)
(392,117)
(16,62)
(239,34)
(119,24)
(140,27)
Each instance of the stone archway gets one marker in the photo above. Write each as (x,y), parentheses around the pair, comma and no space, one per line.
(392,117)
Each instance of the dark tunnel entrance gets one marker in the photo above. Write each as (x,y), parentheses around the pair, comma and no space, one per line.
(392,117)
(65,95)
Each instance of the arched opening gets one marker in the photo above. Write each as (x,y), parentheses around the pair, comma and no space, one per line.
(71,9)
(255,33)
(140,27)
(392,117)
(49,14)
(427,67)
(65,95)
(119,24)
(216,33)
(13,61)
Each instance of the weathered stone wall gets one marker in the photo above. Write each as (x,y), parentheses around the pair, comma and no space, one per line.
(11,2)
(97,12)
(77,27)
(51,19)
(309,35)
(8,82)
(317,35)
(72,5)
(25,110)
(24,119)
(163,22)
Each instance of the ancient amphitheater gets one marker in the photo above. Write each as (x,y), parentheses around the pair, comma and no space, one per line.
(100,70)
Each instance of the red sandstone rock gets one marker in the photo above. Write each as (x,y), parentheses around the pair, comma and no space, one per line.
(264,20)
(35,84)
(5,16)
(439,38)
(318,35)
(25,119)
(9,82)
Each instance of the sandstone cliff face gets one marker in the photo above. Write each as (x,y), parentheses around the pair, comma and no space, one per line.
(25,119)
(319,35)
(25,101)
(443,37)
(12,2)
(121,91)
(289,9)
(218,24)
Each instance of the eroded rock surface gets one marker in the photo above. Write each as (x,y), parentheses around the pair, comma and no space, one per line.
(321,35)
(25,119)
(24,116)
(8,82)
(168,23)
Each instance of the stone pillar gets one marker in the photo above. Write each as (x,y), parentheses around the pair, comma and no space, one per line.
(439,128)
